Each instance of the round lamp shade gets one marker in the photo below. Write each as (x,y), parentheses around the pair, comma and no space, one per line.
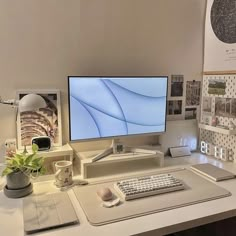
(31,102)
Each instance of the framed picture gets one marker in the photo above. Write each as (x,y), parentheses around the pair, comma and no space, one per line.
(43,122)
(190,113)
(193,90)
(216,86)
(175,110)
(177,82)
(225,107)
(207,108)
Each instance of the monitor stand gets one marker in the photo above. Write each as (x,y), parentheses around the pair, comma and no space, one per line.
(119,148)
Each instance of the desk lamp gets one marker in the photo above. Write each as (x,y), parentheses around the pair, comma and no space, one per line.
(29,102)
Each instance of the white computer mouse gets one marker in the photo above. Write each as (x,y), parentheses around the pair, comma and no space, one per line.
(104,193)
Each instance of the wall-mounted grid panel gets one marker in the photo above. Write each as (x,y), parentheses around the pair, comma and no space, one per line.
(221,140)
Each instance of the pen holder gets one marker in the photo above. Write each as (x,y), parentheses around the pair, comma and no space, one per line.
(63,175)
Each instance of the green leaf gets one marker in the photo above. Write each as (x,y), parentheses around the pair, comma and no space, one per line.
(7,171)
(35,148)
(17,156)
(16,162)
(29,158)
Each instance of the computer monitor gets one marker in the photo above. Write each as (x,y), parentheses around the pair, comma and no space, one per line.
(103,107)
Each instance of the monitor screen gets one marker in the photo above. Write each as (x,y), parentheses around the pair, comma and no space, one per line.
(108,107)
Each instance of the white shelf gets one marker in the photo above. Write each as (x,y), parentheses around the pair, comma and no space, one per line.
(217,129)
(86,162)
(64,150)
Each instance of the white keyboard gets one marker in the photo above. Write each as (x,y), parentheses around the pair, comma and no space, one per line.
(148,185)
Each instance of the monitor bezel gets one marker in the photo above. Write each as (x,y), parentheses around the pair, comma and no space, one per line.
(118,136)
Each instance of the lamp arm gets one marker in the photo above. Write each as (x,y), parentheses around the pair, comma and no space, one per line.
(11,102)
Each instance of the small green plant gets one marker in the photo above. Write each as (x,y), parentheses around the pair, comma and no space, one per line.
(30,164)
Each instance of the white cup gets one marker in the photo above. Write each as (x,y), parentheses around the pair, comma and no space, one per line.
(63,175)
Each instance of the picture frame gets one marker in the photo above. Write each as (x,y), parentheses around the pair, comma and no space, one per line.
(216,86)
(207,108)
(225,107)
(175,109)
(43,122)
(177,85)
(191,113)
(193,93)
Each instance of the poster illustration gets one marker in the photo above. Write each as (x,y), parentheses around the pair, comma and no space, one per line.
(193,93)
(177,82)
(43,122)
(220,36)
(216,86)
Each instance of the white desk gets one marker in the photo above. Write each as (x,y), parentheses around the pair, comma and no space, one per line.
(11,219)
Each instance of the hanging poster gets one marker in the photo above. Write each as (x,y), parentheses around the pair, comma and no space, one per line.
(220,37)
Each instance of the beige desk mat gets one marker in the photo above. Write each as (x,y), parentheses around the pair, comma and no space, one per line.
(197,189)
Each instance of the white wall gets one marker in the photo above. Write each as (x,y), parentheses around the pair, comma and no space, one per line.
(42,42)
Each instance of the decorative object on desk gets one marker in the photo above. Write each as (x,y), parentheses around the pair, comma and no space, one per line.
(45,121)
(207,148)
(18,171)
(43,142)
(118,147)
(64,172)
(203,146)
(231,125)
(217,152)
(214,121)
(230,154)
(10,147)
(207,120)
(221,153)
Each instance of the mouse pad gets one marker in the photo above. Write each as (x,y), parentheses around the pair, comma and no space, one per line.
(197,189)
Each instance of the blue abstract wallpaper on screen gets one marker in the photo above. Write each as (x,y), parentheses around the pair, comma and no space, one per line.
(115,106)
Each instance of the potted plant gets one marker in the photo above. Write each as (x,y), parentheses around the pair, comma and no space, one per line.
(19,170)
